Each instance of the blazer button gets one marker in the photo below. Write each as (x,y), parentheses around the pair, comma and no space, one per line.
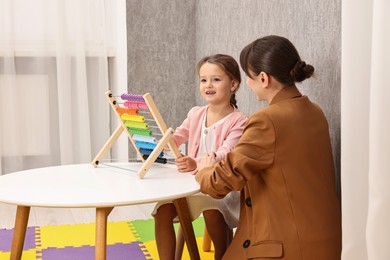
(248,202)
(246,243)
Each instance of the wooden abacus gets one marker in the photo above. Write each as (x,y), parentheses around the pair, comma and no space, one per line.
(148,148)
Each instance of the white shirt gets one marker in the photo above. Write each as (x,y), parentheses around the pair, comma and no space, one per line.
(207,137)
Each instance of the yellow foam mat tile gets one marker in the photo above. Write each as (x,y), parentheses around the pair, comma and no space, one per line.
(27,255)
(152,249)
(83,234)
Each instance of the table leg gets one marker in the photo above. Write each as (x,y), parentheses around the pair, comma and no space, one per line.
(22,214)
(101,232)
(186,225)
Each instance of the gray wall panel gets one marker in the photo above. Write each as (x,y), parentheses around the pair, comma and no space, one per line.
(161,54)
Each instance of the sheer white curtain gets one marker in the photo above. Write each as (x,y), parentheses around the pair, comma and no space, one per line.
(365,131)
(54,71)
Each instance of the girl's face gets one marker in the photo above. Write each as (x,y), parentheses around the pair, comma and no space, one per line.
(215,85)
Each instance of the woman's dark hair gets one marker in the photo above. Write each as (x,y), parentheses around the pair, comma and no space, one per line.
(229,65)
(276,56)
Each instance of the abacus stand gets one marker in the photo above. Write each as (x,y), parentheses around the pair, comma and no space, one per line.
(166,139)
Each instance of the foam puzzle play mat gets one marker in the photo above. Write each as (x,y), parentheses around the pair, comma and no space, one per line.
(130,240)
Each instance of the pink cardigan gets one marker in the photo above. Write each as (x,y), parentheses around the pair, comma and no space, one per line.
(227,134)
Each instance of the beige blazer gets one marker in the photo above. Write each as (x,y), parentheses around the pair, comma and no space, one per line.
(283,166)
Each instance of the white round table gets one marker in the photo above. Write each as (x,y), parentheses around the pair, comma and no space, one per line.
(103,188)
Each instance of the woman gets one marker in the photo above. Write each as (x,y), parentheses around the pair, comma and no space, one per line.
(282,163)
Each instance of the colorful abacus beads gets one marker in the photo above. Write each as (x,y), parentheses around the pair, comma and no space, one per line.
(139,125)
(125,110)
(137,131)
(142,138)
(141,134)
(133,118)
(132,97)
(158,160)
(149,151)
(145,145)
(136,105)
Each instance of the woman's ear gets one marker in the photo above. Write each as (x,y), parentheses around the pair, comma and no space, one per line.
(264,79)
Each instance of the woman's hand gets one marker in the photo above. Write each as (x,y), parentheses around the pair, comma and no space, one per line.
(208,160)
(185,164)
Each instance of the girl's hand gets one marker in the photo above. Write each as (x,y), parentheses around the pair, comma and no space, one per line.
(208,160)
(185,164)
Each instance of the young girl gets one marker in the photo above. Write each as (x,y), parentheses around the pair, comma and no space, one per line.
(213,129)
(283,164)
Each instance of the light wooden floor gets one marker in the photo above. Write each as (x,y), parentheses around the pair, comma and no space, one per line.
(58,216)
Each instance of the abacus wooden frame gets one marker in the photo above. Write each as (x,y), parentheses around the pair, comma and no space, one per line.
(167,134)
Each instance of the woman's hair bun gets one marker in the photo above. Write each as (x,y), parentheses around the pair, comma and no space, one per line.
(301,71)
